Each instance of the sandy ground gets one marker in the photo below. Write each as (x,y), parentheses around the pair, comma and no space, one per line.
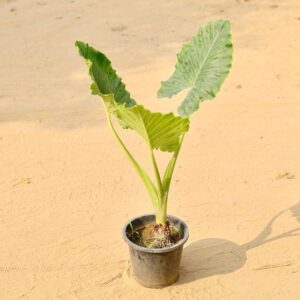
(67,189)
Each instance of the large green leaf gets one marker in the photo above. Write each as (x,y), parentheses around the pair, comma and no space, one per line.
(105,79)
(203,64)
(106,83)
(160,131)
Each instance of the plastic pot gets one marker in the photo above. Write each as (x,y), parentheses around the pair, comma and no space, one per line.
(155,268)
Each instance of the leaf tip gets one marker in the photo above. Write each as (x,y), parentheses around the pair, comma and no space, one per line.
(79,44)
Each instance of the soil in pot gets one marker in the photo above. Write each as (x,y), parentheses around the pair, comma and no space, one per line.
(156,236)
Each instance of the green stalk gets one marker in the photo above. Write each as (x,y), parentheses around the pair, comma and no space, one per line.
(157,176)
(160,211)
(163,190)
(143,175)
(169,173)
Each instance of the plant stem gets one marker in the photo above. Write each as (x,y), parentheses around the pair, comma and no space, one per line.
(161,215)
(143,175)
(160,210)
(157,176)
(170,170)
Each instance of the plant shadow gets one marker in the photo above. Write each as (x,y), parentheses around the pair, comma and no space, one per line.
(215,256)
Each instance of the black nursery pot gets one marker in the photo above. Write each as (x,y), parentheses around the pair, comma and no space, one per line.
(155,268)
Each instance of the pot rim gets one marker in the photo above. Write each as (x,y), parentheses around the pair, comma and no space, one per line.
(157,250)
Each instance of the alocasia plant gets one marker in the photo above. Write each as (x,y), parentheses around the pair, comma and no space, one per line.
(203,64)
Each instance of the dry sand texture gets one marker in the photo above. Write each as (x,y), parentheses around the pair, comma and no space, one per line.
(66,188)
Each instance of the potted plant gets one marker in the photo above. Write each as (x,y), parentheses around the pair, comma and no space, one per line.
(156,240)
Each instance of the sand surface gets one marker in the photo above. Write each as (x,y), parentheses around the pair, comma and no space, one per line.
(67,189)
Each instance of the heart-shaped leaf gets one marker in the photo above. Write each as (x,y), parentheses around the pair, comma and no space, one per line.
(202,65)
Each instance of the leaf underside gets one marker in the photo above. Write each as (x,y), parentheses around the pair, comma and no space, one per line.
(160,131)
(202,65)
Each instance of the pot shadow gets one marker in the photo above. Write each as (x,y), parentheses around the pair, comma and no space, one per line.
(214,256)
